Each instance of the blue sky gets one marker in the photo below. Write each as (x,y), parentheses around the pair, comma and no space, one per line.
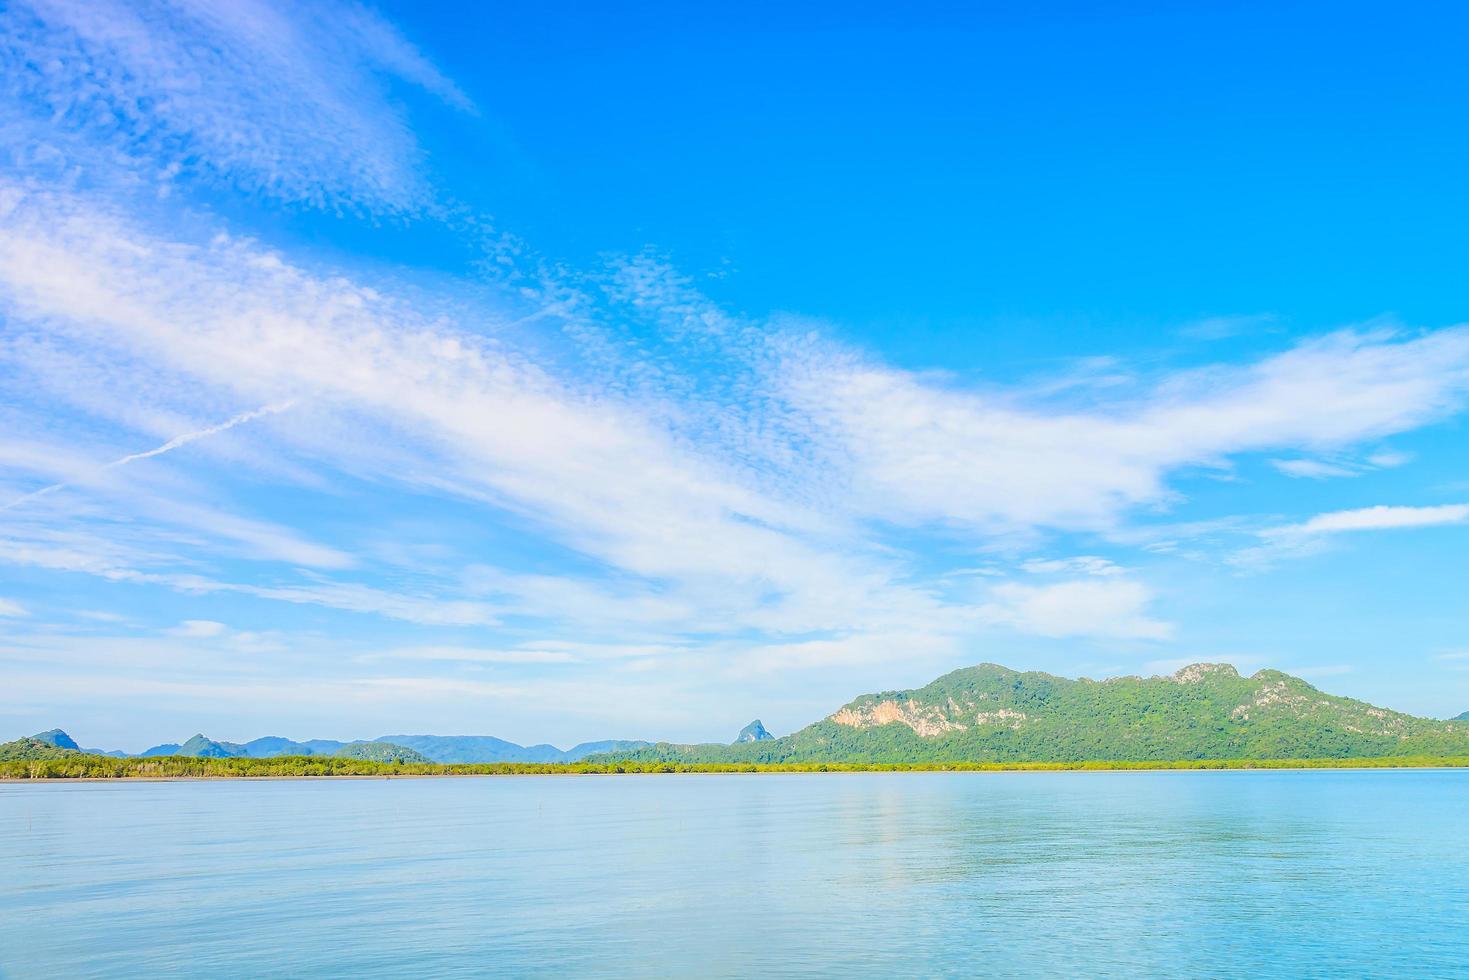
(564,371)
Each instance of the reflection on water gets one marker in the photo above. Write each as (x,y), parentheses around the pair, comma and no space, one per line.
(918,874)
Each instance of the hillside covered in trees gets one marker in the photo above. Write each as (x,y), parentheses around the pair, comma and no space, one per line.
(991,713)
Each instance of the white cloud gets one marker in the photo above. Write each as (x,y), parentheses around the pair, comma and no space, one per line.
(1313,536)
(860,649)
(1313,469)
(1326,469)
(755,499)
(9,607)
(1083,564)
(169,446)
(461,654)
(287,100)
(749,518)
(1379,518)
(1389,458)
(198,628)
(595,471)
(88,555)
(1108,608)
(918,452)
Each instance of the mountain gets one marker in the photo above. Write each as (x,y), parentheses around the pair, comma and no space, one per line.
(753,732)
(57,739)
(380,752)
(991,713)
(34,748)
(273,745)
(471,748)
(487,748)
(1463,717)
(207,748)
(432,748)
(579,752)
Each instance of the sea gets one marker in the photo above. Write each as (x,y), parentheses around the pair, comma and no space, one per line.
(1328,873)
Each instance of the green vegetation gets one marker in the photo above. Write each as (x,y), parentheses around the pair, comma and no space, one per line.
(56,737)
(978,719)
(33,748)
(76,765)
(990,713)
(380,752)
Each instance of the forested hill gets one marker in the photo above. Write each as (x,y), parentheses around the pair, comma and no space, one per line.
(991,713)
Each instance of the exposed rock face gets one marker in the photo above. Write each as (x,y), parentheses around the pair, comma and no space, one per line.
(1288,697)
(753,732)
(925,719)
(1198,673)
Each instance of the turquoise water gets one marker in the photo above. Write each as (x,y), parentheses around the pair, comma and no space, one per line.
(1225,874)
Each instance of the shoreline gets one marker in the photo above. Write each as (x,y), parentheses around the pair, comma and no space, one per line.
(95,769)
(61,780)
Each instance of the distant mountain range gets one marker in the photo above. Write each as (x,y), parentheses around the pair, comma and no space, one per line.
(991,713)
(387,748)
(987,713)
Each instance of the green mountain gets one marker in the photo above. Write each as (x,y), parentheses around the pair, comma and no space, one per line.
(380,752)
(57,738)
(1463,717)
(991,713)
(433,748)
(34,748)
(487,748)
(207,748)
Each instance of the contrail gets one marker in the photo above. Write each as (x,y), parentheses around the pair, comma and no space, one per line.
(168,446)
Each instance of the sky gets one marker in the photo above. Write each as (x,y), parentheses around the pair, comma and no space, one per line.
(569,371)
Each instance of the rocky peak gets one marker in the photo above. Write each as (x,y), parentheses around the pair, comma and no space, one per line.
(1197,673)
(56,738)
(753,732)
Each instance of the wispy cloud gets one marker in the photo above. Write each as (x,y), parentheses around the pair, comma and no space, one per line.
(475,655)
(1379,518)
(1311,536)
(1313,469)
(1326,469)
(747,499)
(704,487)
(920,452)
(1110,608)
(169,446)
(284,100)
(1083,564)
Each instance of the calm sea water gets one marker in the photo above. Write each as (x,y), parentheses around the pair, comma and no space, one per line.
(1218,874)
